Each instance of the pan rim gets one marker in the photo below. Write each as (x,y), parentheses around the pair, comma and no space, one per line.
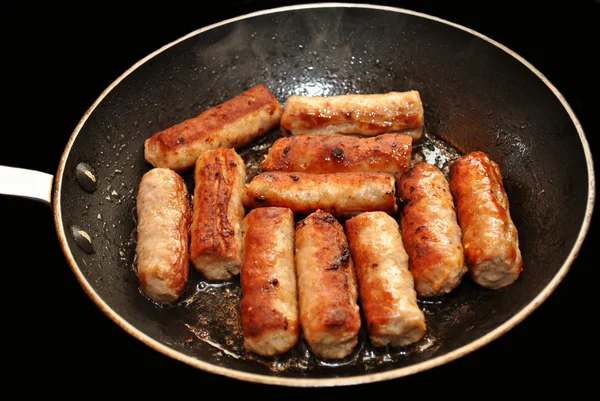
(335,381)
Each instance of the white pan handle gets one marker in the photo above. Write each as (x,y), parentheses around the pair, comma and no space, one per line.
(26,183)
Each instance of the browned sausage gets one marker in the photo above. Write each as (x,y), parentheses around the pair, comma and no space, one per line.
(385,285)
(490,238)
(430,232)
(387,153)
(216,239)
(367,115)
(329,313)
(234,123)
(269,306)
(341,194)
(163,213)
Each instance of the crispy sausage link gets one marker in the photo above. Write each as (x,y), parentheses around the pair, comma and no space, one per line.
(490,238)
(367,115)
(163,213)
(269,306)
(341,194)
(386,286)
(216,241)
(327,289)
(231,124)
(387,153)
(430,232)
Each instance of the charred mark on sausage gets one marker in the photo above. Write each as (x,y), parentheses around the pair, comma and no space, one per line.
(270,285)
(338,153)
(402,203)
(327,218)
(339,261)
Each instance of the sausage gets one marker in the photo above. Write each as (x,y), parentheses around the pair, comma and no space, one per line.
(163,222)
(430,231)
(386,153)
(385,285)
(269,306)
(216,239)
(490,238)
(367,115)
(231,124)
(327,289)
(341,194)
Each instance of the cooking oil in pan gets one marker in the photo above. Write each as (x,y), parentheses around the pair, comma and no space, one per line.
(215,320)
(434,150)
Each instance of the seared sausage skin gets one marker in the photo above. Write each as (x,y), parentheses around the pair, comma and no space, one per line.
(430,232)
(269,305)
(341,194)
(386,153)
(367,115)
(163,223)
(489,236)
(385,285)
(327,289)
(231,124)
(216,240)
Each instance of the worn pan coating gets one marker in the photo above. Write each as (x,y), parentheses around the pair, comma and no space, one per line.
(477,96)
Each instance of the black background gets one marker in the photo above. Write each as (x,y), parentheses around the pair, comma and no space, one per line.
(58,59)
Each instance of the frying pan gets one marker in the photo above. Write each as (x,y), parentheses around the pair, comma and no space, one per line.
(477,94)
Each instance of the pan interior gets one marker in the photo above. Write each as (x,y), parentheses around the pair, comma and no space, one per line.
(476,97)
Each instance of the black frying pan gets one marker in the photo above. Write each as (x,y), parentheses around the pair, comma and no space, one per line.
(478,95)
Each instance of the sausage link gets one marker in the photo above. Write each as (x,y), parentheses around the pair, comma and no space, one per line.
(386,153)
(231,124)
(430,232)
(490,238)
(269,306)
(327,289)
(385,285)
(341,194)
(367,115)
(216,240)
(163,222)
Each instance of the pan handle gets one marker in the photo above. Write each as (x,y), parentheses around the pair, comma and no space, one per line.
(26,183)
